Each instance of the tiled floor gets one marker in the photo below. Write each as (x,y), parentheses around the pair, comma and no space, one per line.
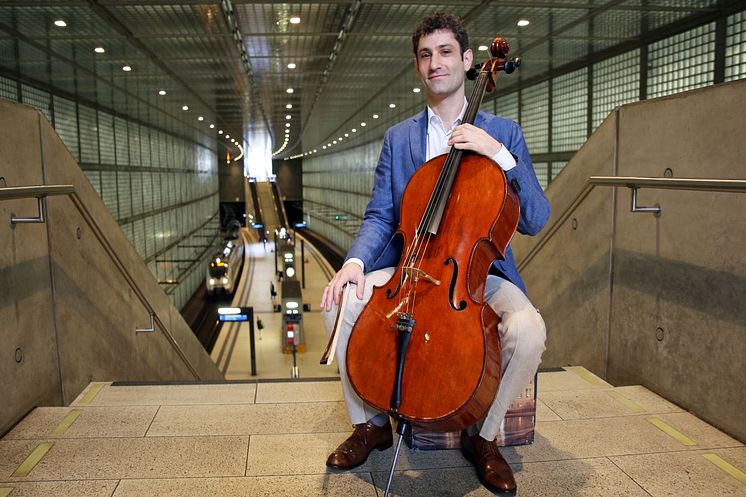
(272,439)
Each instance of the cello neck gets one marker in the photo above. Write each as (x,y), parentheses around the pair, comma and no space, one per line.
(436,206)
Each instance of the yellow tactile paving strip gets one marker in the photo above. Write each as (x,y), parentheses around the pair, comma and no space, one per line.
(66,422)
(629,404)
(91,393)
(33,459)
(726,466)
(672,432)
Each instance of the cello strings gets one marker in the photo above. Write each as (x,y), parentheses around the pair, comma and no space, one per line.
(418,247)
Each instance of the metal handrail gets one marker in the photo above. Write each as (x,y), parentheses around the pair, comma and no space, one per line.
(633,183)
(42,191)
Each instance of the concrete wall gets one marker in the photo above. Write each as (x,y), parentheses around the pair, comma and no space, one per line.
(656,301)
(231,181)
(67,316)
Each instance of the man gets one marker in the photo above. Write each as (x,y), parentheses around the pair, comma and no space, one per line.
(441,58)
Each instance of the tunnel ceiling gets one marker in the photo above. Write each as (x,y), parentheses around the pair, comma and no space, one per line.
(228,61)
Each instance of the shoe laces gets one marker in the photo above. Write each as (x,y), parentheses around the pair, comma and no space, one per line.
(488,448)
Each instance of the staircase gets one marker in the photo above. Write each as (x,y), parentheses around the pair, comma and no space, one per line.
(272,439)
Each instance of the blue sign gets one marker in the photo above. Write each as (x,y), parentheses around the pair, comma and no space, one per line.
(234,317)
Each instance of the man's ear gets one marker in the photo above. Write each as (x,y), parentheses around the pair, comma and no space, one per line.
(468,59)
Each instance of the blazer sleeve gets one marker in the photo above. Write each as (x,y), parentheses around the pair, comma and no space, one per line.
(379,223)
(534,204)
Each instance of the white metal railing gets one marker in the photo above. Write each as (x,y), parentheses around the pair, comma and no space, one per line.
(40,192)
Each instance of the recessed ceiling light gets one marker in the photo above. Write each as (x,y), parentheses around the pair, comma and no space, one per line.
(287,125)
(60,23)
(212,126)
(184,107)
(220,131)
(324,147)
(347,135)
(289,90)
(334,142)
(227,136)
(99,50)
(362,124)
(126,68)
(288,116)
(375,116)
(482,48)
(354,130)
(289,106)
(161,92)
(295,20)
(291,66)
(392,106)
(416,90)
(200,118)
(523,22)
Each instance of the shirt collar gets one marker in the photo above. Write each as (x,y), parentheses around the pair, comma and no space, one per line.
(433,118)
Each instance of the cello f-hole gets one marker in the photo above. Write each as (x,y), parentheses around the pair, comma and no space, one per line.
(451,289)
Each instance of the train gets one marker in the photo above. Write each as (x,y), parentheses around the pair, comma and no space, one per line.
(224,268)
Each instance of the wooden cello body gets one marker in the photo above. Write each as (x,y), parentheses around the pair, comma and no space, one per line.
(452,366)
(425,348)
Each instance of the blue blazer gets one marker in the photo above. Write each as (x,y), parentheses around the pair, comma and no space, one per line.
(404,150)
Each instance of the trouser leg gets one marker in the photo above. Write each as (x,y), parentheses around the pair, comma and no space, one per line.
(522,336)
(357,410)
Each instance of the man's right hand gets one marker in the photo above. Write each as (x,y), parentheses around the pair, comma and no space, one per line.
(350,273)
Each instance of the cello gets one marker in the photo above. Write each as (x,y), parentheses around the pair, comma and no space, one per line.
(435,362)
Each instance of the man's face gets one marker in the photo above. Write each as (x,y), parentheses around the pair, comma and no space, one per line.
(439,64)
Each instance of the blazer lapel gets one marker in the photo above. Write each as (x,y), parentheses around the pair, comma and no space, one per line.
(418,139)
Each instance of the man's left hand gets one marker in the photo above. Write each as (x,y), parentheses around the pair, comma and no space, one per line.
(469,137)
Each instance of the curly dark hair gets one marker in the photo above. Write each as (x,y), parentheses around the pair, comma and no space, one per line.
(437,21)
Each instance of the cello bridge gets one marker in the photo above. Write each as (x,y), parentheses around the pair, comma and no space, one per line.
(417,273)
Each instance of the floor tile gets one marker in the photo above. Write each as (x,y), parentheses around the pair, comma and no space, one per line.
(92,422)
(685,473)
(97,488)
(651,401)
(342,485)
(704,434)
(322,391)
(449,482)
(303,454)
(115,458)
(13,453)
(577,478)
(235,393)
(249,419)
(544,413)
(604,403)
(588,438)
(552,381)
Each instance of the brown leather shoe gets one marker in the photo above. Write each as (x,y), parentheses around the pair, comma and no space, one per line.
(493,471)
(354,451)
